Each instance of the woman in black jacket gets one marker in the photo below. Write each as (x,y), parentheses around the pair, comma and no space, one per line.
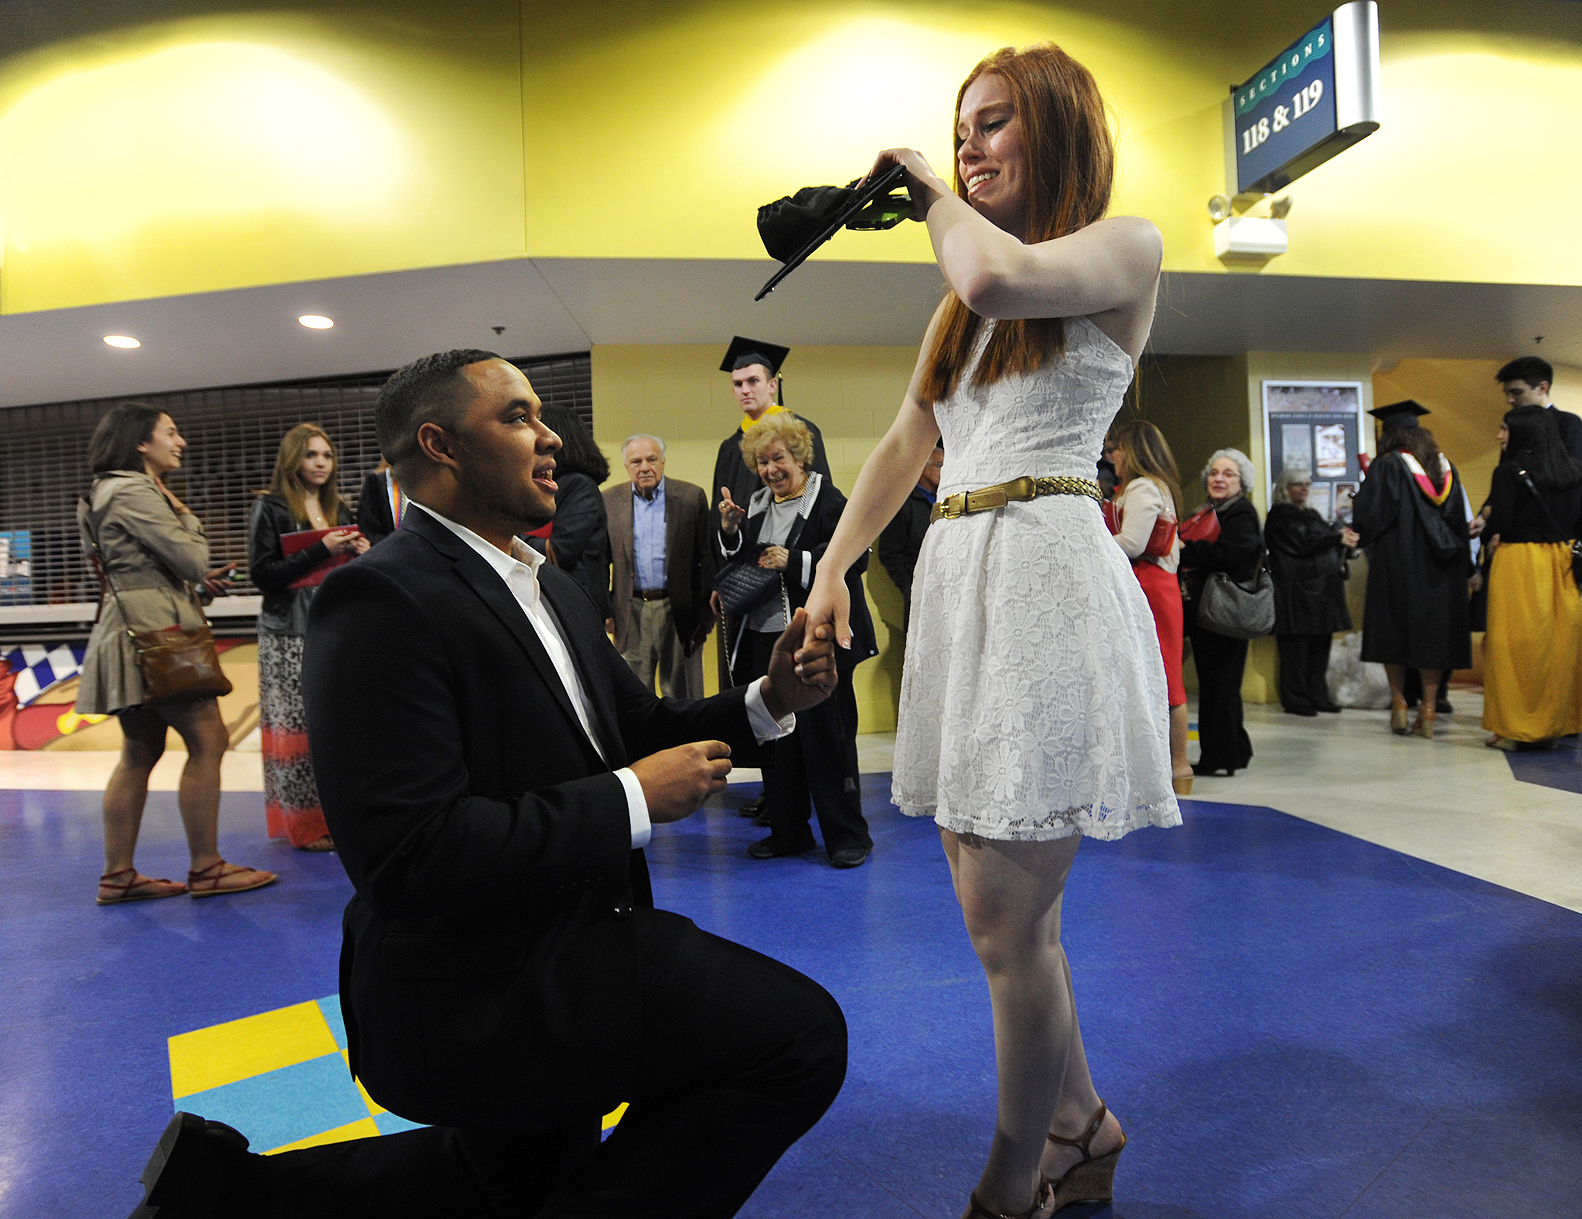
(301,496)
(786,528)
(579,540)
(1307,562)
(1220,660)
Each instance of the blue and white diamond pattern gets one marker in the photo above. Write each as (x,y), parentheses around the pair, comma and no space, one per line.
(39,667)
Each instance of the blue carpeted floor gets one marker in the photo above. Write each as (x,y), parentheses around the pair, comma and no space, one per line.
(1289,1021)
(1560,767)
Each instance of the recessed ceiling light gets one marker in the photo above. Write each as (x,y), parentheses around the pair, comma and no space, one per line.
(315,321)
(121,340)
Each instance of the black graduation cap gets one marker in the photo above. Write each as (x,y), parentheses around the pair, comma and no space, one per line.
(1401,415)
(743,352)
(793,227)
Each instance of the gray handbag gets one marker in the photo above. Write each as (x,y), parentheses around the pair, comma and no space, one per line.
(1237,610)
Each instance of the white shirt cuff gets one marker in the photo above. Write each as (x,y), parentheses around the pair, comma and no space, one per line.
(765,727)
(807,569)
(636,808)
(727,551)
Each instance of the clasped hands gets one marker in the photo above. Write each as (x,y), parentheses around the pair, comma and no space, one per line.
(801,675)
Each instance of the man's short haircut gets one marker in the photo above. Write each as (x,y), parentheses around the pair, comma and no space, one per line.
(748,358)
(643,436)
(428,390)
(1531,369)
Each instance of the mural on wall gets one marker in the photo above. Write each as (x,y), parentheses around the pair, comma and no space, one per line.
(38,687)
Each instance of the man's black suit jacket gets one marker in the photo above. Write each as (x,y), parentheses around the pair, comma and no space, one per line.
(488,960)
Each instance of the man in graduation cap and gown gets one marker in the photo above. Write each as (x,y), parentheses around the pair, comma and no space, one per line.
(1412,519)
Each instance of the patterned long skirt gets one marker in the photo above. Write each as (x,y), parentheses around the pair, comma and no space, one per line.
(291,796)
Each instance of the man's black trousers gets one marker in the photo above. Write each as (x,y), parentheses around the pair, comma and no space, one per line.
(740,1056)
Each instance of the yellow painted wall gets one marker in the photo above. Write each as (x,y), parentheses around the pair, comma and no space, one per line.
(679,393)
(700,112)
(229,146)
(226,149)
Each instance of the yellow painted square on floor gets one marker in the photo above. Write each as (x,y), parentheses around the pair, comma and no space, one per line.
(239,1049)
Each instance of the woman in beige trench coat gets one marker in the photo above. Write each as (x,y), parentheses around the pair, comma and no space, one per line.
(154,553)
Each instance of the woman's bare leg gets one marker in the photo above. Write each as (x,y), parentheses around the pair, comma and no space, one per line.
(1396,676)
(1180,768)
(142,744)
(1010,895)
(206,738)
(1426,709)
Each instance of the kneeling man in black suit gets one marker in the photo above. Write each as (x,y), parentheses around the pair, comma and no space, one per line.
(490,769)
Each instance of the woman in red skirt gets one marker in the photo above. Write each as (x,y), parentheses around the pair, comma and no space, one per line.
(1147,506)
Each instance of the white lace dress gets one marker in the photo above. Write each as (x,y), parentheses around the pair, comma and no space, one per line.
(1033,701)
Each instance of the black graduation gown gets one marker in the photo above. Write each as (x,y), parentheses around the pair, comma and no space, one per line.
(1417,613)
(1307,561)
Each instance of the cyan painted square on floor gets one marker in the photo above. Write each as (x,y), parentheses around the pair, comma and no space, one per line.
(280,1107)
(390,1123)
(330,1006)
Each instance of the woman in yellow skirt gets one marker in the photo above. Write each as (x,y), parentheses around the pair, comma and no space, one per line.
(1532,652)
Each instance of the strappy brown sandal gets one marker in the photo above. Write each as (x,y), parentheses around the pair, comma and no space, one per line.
(976,1209)
(1092,1178)
(319,845)
(137,889)
(221,877)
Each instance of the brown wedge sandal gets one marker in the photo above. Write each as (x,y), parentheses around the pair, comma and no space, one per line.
(221,877)
(976,1209)
(1092,1178)
(137,889)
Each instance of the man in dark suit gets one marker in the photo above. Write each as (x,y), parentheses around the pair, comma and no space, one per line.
(659,555)
(490,769)
(902,539)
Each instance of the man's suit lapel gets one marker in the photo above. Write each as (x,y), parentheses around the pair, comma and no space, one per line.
(594,680)
(672,534)
(491,590)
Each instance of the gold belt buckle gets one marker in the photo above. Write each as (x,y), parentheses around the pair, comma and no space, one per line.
(953,506)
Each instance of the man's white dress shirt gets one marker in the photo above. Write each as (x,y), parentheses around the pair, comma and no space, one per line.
(519,571)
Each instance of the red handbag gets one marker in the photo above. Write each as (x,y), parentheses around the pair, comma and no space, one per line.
(1201,526)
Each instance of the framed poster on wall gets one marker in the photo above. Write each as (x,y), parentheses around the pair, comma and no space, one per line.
(1315,426)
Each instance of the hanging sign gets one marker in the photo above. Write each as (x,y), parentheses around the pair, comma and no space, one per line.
(1315,99)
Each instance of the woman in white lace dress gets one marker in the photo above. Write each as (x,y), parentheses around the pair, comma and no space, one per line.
(1033,706)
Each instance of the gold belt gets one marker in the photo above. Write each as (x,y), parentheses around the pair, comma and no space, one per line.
(964,503)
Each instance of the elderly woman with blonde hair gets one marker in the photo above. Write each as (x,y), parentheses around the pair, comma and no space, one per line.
(1220,660)
(785,528)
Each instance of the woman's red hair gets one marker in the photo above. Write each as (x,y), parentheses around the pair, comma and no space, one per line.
(1071,159)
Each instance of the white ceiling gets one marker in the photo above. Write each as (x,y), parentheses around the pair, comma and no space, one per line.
(558,305)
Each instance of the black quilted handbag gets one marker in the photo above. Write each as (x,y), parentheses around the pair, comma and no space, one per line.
(742,584)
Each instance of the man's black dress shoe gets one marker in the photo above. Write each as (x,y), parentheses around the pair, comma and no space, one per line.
(849,857)
(1200,769)
(1442,706)
(1300,710)
(754,808)
(763,818)
(195,1168)
(1330,708)
(765,848)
